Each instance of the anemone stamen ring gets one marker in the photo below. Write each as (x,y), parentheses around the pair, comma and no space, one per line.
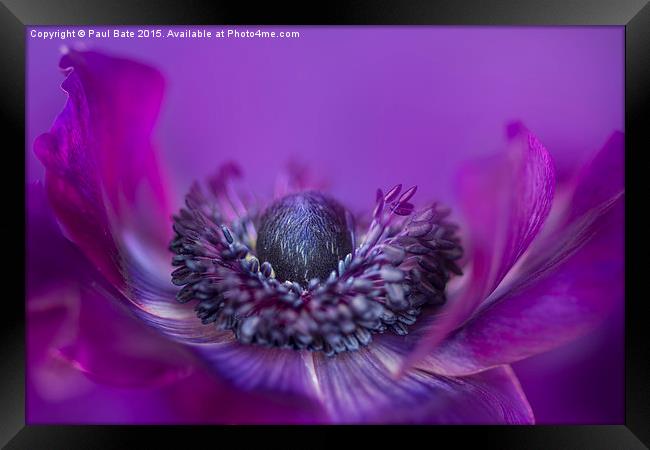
(292,277)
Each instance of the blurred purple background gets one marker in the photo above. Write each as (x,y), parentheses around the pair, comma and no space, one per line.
(367,107)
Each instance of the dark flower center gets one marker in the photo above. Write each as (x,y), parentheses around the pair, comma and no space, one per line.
(295,277)
(304,236)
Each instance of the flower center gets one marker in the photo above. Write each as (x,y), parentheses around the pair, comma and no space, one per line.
(303,236)
(294,277)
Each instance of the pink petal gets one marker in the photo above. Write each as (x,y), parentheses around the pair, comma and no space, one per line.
(565,286)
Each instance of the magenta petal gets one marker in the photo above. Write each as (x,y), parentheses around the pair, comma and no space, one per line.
(566,285)
(360,387)
(506,201)
(86,328)
(102,176)
(594,190)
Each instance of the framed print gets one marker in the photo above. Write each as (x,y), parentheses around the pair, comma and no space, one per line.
(414,216)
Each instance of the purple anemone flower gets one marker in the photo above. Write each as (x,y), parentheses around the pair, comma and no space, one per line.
(289,307)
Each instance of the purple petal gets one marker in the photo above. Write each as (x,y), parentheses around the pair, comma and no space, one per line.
(565,286)
(102,176)
(255,368)
(506,200)
(360,387)
(96,335)
(201,400)
(601,179)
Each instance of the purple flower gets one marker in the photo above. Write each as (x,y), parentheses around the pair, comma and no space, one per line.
(291,308)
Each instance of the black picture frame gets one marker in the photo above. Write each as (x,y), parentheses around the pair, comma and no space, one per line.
(15,15)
